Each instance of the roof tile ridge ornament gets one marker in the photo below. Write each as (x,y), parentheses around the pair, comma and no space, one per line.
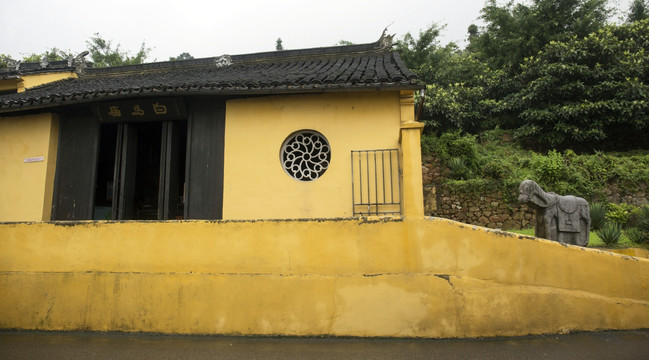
(79,62)
(15,64)
(385,42)
(45,62)
(223,61)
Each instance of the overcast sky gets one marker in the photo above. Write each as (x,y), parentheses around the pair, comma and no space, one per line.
(212,28)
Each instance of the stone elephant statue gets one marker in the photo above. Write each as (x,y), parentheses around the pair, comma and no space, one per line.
(565,219)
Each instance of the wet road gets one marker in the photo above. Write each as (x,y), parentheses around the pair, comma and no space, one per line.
(63,345)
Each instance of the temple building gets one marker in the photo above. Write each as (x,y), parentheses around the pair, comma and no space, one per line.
(315,133)
(276,193)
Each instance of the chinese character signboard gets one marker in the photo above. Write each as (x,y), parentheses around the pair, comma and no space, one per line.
(156,109)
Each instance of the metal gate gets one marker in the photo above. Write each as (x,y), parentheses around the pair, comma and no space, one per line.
(376,182)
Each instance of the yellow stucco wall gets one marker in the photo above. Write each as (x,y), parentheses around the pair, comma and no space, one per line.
(637,252)
(30,81)
(10,84)
(255,184)
(405,278)
(26,187)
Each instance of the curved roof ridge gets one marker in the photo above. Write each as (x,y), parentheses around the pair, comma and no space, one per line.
(384,44)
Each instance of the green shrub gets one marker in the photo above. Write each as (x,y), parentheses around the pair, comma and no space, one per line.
(637,236)
(639,219)
(455,144)
(598,212)
(496,168)
(459,169)
(549,169)
(631,171)
(428,144)
(610,233)
(619,213)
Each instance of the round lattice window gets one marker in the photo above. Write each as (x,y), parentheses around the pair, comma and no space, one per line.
(306,155)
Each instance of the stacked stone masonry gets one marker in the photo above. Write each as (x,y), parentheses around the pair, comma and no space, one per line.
(489,210)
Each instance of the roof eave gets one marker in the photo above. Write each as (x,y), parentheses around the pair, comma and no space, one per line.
(80,99)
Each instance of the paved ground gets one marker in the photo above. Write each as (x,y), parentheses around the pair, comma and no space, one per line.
(64,345)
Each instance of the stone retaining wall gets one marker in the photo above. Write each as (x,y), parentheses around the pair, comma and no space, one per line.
(489,210)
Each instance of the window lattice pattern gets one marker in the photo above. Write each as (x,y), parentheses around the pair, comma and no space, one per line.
(306,155)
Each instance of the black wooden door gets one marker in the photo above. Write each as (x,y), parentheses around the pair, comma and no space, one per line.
(74,185)
(205,151)
(171,174)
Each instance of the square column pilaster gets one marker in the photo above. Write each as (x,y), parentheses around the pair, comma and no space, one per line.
(410,139)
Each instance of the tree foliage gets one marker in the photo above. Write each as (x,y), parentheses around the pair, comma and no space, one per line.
(461,95)
(419,54)
(552,70)
(52,54)
(278,45)
(182,56)
(104,54)
(583,91)
(639,10)
(515,31)
(460,87)
(4,60)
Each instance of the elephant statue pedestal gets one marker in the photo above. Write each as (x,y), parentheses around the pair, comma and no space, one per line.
(565,219)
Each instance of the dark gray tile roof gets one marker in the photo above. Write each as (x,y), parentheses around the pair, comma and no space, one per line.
(18,68)
(355,67)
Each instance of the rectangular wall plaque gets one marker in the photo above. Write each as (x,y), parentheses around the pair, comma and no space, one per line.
(34,159)
(144,109)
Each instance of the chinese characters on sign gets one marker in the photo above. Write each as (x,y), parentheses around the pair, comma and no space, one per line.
(159,109)
(114,111)
(141,110)
(137,110)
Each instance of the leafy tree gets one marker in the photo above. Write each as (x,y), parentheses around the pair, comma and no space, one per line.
(278,45)
(344,42)
(460,87)
(4,59)
(103,53)
(461,93)
(421,51)
(52,54)
(639,10)
(182,56)
(584,91)
(515,31)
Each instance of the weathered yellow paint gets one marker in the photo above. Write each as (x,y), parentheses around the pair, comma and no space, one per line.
(255,183)
(409,277)
(32,80)
(26,188)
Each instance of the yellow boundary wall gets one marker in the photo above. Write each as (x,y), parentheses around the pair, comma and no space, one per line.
(351,277)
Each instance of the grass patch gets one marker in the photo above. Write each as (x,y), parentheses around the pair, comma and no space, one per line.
(594,240)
